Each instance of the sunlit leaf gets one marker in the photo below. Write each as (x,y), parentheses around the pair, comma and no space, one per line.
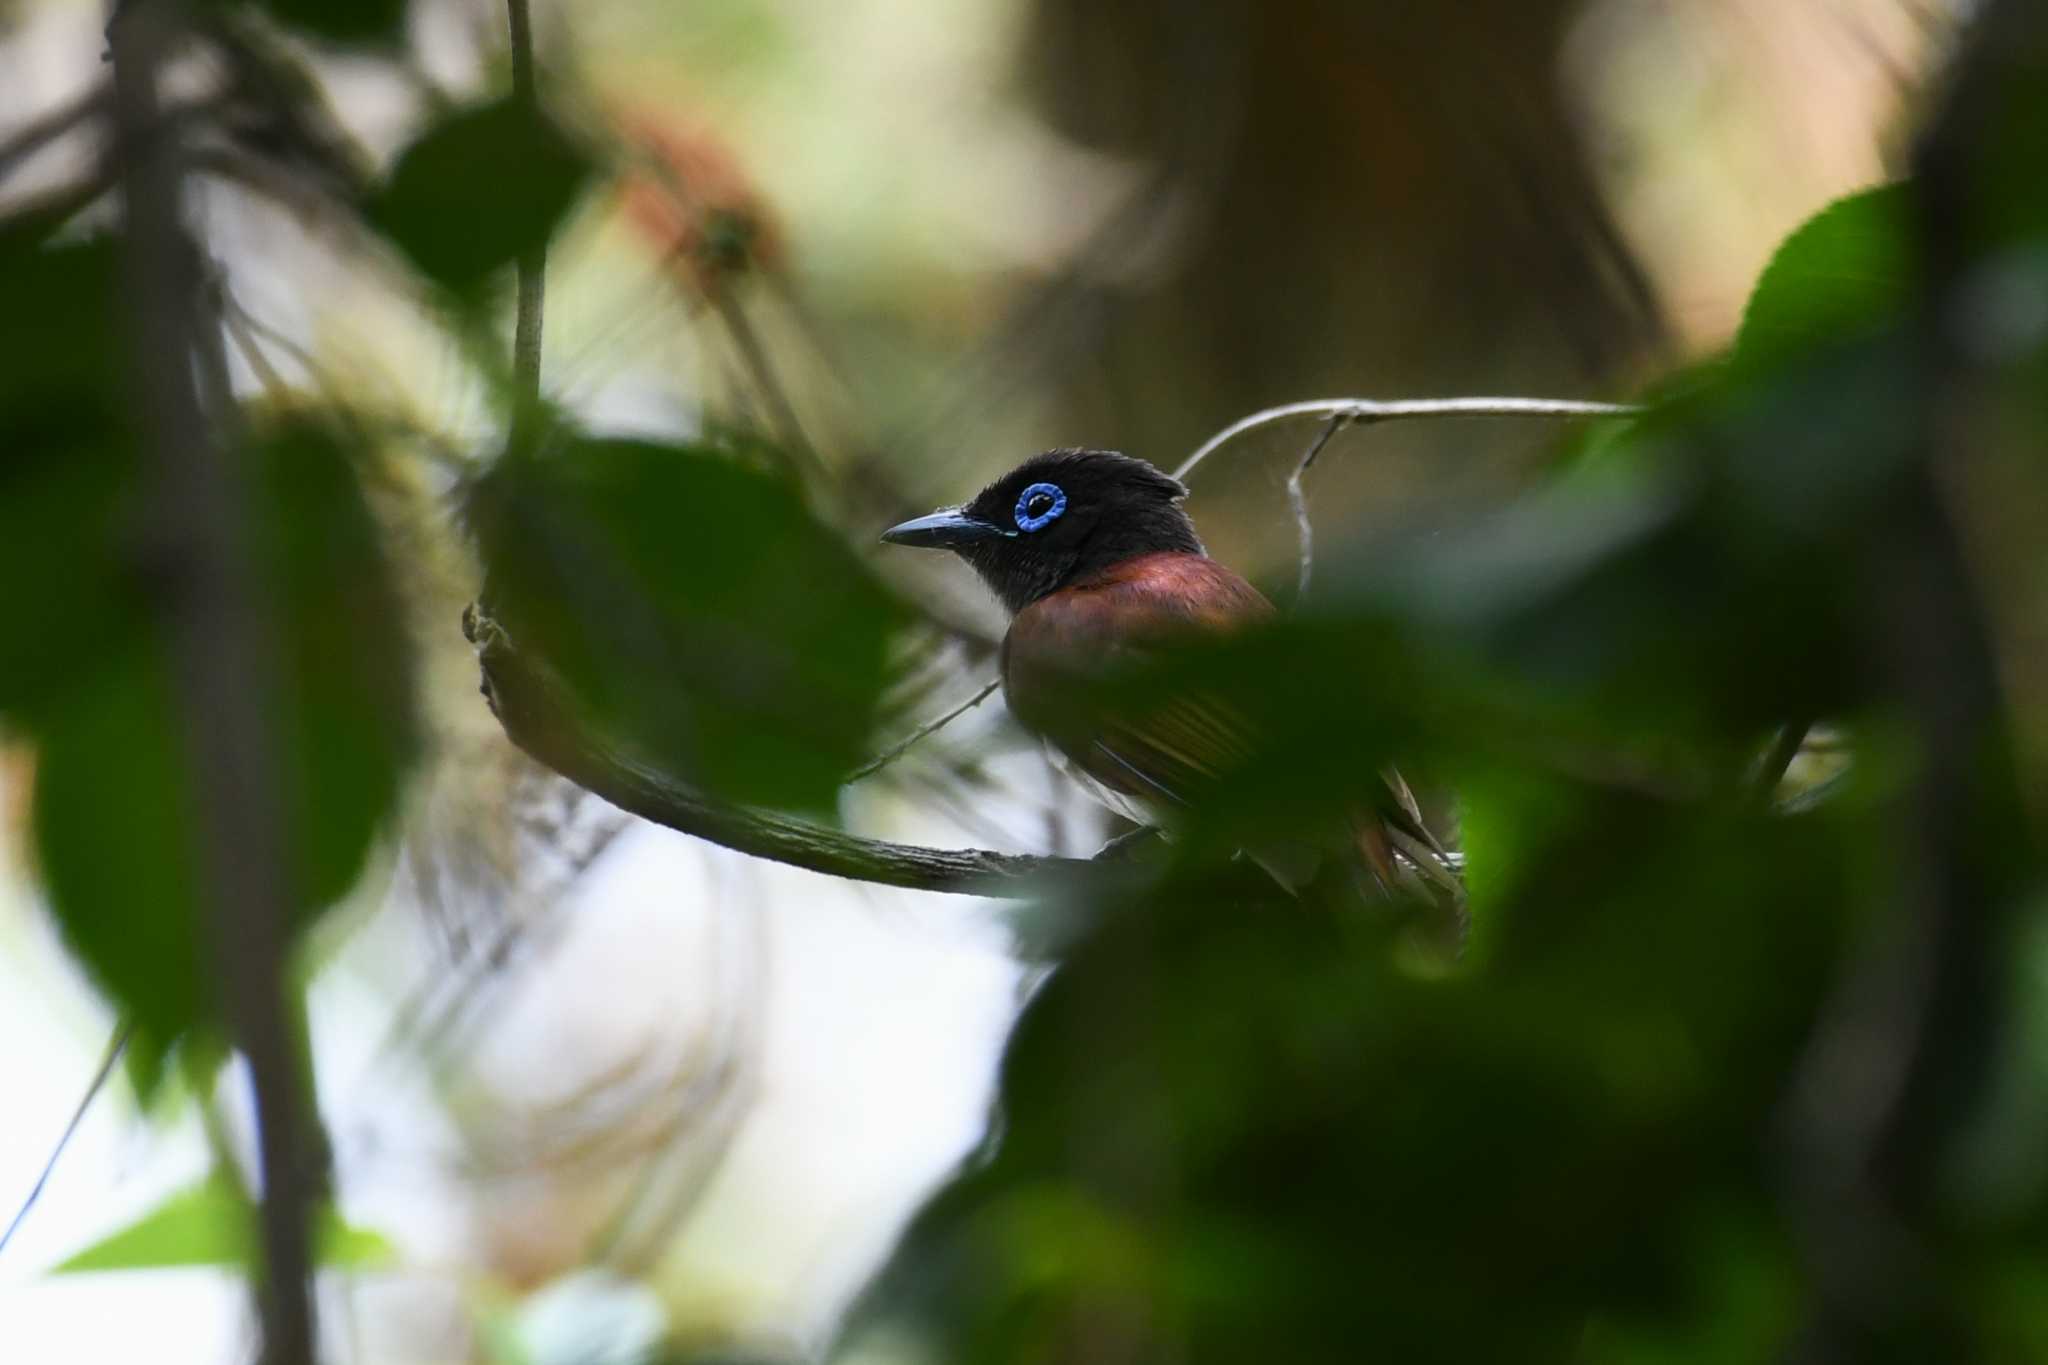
(212,1224)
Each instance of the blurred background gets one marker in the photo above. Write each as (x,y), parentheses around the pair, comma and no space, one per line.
(590,1085)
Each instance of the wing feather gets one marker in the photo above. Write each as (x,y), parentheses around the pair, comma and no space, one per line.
(1063,646)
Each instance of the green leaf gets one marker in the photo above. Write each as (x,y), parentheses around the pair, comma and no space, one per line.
(117,840)
(116,796)
(696,610)
(1847,270)
(1256,1133)
(212,1224)
(69,493)
(371,23)
(478,188)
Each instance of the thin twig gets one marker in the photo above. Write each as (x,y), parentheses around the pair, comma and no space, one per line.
(1297,498)
(115,1045)
(923,732)
(1364,411)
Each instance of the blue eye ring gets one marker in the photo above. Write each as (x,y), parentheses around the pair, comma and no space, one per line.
(1027,522)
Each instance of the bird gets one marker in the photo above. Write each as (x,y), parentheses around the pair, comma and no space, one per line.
(1095,559)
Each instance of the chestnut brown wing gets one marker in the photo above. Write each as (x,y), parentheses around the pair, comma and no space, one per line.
(1062,648)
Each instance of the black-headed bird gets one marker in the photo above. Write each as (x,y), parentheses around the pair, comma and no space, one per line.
(1102,572)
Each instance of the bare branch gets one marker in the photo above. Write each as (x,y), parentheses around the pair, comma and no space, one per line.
(923,732)
(1365,411)
(215,622)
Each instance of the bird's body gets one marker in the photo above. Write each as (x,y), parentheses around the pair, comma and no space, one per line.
(1062,645)
(1103,575)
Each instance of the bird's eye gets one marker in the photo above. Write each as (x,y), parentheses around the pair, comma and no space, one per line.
(1039,506)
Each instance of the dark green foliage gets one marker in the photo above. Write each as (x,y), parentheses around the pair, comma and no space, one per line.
(1232,1135)
(355,23)
(116,796)
(1848,269)
(697,611)
(1715,1080)
(67,470)
(481,186)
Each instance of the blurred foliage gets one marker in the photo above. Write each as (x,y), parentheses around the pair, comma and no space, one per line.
(477,188)
(371,26)
(88,675)
(1227,1136)
(368,23)
(1847,270)
(695,609)
(1627,1126)
(119,855)
(212,1224)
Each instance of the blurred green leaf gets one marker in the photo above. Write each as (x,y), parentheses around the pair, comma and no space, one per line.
(212,1224)
(478,188)
(1232,1136)
(68,494)
(696,609)
(1228,1134)
(117,840)
(1848,269)
(376,23)
(115,794)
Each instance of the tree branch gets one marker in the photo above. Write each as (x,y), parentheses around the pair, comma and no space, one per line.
(214,624)
(532,706)
(1366,411)
(1338,414)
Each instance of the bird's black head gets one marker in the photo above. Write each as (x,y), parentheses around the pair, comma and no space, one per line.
(1056,519)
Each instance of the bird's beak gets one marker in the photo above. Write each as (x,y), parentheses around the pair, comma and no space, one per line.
(947,528)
